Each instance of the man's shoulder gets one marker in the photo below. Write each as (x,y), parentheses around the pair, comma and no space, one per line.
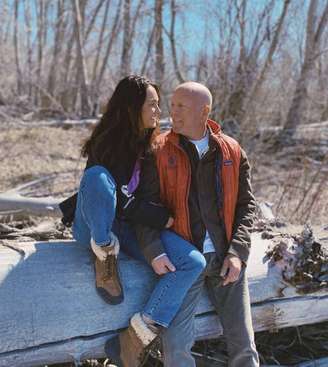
(217,133)
(230,140)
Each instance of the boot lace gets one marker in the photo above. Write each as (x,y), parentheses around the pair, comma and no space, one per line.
(110,267)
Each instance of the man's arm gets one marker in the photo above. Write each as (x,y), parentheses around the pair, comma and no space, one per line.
(149,238)
(241,240)
(240,244)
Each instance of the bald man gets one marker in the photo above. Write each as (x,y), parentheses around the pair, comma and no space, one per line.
(203,177)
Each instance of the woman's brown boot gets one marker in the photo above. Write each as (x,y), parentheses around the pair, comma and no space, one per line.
(108,283)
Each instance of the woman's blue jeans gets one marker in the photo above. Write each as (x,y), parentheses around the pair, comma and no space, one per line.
(95,218)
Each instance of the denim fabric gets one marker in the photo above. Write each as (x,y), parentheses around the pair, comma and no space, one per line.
(95,217)
(172,287)
(233,307)
(96,205)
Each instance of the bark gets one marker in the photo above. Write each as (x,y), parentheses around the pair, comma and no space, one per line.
(129,28)
(126,49)
(28,27)
(59,38)
(159,59)
(16,47)
(40,14)
(171,35)
(82,77)
(100,47)
(66,93)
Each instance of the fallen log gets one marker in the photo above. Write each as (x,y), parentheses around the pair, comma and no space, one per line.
(50,311)
(15,201)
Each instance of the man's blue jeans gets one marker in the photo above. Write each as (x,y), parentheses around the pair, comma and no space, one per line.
(95,218)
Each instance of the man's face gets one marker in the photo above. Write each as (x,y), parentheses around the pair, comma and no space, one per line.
(185,113)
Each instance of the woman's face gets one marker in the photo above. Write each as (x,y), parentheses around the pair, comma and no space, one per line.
(150,112)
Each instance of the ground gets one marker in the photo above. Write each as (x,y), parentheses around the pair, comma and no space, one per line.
(296,186)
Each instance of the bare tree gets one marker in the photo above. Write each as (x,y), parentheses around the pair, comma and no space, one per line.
(148,51)
(112,37)
(15,39)
(314,31)
(129,27)
(58,43)
(171,35)
(93,19)
(126,50)
(28,30)
(159,59)
(268,61)
(82,78)
(100,45)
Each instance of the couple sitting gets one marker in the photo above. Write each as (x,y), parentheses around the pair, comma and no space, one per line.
(180,201)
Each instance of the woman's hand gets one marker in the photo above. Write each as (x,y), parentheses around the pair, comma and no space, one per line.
(169,223)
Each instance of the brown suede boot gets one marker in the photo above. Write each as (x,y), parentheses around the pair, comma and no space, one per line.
(130,348)
(108,282)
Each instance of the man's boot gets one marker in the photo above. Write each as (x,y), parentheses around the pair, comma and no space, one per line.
(108,283)
(130,347)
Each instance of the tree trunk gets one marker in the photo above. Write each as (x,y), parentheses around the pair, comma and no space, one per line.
(113,36)
(59,38)
(93,19)
(16,46)
(314,31)
(82,78)
(273,46)
(100,47)
(159,59)
(40,13)
(172,42)
(149,47)
(126,48)
(28,26)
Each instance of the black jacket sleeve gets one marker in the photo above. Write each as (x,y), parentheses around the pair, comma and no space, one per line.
(140,211)
(149,238)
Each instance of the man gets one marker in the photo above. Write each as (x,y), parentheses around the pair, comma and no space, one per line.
(203,177)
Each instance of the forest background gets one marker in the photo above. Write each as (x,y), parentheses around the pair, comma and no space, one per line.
(265,62)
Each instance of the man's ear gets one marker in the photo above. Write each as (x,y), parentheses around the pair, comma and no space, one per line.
(206,111)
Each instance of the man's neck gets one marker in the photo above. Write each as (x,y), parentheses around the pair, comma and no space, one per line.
(197,135)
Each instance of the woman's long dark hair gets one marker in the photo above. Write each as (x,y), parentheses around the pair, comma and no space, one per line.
(119,135)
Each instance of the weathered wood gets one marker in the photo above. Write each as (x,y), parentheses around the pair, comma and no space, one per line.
(11,203)
(50,311)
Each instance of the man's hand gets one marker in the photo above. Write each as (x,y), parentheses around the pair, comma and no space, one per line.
(230,269)
(162,265)
(169,223)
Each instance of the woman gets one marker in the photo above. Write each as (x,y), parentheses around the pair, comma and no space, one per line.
(108,206)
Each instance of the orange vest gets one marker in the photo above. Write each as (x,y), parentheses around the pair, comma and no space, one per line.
(175,175)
